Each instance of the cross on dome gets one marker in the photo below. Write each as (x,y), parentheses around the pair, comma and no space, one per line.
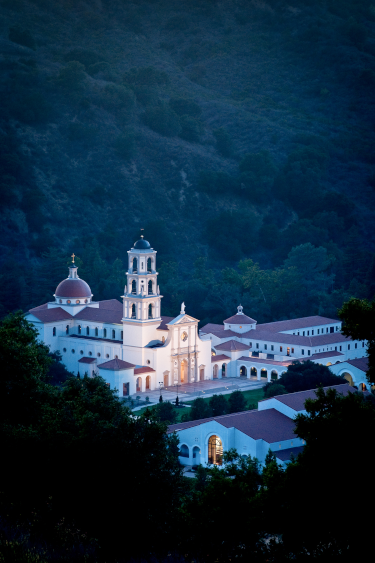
(73,256)
(240,310)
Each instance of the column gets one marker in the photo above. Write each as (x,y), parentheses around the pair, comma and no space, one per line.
(258,374)
(268,376)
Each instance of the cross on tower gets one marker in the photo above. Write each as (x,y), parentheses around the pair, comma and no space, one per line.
(73,256)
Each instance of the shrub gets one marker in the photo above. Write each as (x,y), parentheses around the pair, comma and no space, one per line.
(184,106)
(146,76)
(273,389)
(83,56)
(236,402)
(223,142)
(31,108)
(117,96)
(22,37)
(95,68)
(165,412)
(191,129)
(308,375)
(217,182)
(72,75)
(162,120)
(125,145)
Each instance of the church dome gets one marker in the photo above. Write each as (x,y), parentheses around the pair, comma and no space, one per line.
(73,287)
(142,244)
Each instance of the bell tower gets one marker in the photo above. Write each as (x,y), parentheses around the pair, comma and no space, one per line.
(141,297)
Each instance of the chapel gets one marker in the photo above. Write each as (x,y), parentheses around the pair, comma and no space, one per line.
(128,342)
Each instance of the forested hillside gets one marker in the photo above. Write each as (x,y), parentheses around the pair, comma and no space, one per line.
(239,134)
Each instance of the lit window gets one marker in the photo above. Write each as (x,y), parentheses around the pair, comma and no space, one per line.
(68,301)
(215,450)
(78,301)
(292,350)
(281,348)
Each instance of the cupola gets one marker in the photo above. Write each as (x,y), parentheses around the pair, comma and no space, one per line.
(73,290)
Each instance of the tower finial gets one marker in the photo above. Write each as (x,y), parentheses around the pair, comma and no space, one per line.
(142,233)
(73,256)
(240,310)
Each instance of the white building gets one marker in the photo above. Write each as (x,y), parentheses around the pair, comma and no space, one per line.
(250,432)
(129,344)
(241,347)
(354,371)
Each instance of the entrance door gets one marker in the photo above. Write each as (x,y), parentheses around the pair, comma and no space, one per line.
(125,389)
(216,369)
(183,371)
(201,374)
(166,380)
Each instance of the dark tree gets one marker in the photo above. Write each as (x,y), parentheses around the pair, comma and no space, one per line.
(165,412)
(358,316)
(273,389)
(218,405)
(237,402)
(199,409)
(301,376)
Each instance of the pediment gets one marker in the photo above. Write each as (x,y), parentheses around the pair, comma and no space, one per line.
(183,319)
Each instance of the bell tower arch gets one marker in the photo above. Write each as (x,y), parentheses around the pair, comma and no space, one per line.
(141,299)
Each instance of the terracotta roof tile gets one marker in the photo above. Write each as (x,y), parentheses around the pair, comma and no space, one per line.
(282,338)
(296,401)
(143,369)
(116,365)
(112,304)
(219,358)
(294,324)
(268,425)
(44,306)
(100,315)
(240,320)
(360,363)
(210,327)
(224,333)
(232,345)
(50,315)
(163,324)
(87,360)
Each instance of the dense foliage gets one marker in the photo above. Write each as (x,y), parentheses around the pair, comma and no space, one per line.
(247,126)
(301,376)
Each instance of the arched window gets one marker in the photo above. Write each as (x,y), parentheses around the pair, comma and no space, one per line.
(215,450)
(139,384)
(243,371)
(79,329)
(67,329)
(96,331)
(254,372)
(184,451)
(150,287)
(116,357)
(149,265)
(163,339)
(134,287)
(54,331)
(135,263)
(263,373)
(113,334)
(273,375)
(148,381)
(105,333)
(133,312)
(150,311)
(88,330)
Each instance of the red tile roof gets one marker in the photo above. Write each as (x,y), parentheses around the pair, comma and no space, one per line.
(282,338)
(116,365)
(293,324)
(231,345)
(86,360)
(143,369)
(261,361)
(268,425)
(219,358)
(285,455)
(296,401)
(112,304)
(210,327)
(100,315)
(325,355)
(164,321)
(44,306)
(360,363)
(223,333)
(50,315)
(240,320)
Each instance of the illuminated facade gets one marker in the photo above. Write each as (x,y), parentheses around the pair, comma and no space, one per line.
(130,344)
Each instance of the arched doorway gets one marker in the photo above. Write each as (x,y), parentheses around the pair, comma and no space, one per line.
(166,378)
(348,378)
(263,373)
(183,371)
(224,370)
(184,451)
(215,371)
(148,381)
(139,384)
(273,375)
(196,455)
(362,387)
(254,372)
(243,371)
(201,374)
(329,364)
(215,450)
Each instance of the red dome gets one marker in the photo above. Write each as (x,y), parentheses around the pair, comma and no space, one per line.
(73,288)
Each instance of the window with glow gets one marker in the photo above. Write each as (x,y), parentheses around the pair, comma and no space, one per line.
(215,450)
